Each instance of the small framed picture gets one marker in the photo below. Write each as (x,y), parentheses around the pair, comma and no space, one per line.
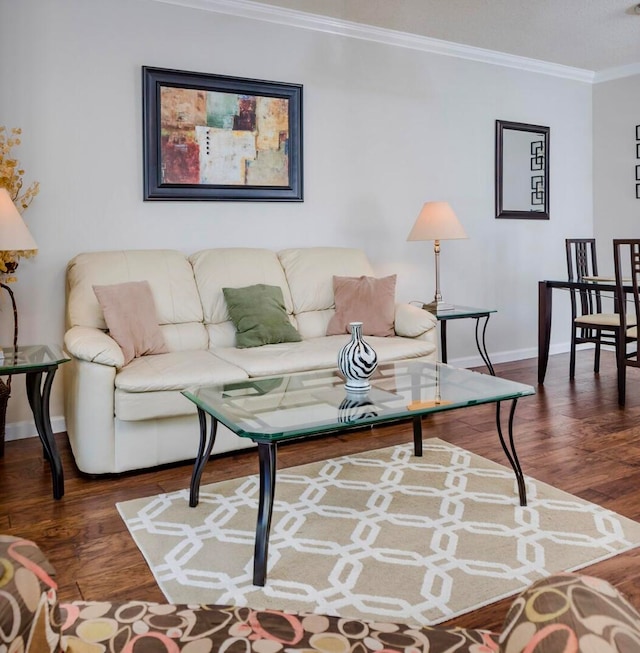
(637,150)
(638,191)
(638,132)
(638,173)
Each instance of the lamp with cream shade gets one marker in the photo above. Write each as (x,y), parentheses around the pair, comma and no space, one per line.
(437,221)
(15,241)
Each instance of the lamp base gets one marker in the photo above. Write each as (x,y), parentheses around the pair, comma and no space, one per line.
(436,307)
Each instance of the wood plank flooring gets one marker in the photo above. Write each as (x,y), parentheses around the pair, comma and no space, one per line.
(570,435)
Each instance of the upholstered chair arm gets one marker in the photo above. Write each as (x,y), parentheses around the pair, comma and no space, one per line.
(93,345)
(29,616)
(412,322)
(570,612)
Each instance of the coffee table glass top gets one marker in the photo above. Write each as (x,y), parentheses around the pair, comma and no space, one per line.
(290,405)
(29,357)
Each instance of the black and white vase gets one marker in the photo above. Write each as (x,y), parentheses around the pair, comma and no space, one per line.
(357,361)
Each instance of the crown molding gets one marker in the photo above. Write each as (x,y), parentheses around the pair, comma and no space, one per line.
(617,73)
(300,19)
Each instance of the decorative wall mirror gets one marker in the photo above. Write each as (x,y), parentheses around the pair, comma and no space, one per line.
(522,171)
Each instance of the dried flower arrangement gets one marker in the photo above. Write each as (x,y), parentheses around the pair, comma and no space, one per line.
(11,178)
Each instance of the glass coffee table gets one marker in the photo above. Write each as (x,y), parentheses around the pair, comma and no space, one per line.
(299,406)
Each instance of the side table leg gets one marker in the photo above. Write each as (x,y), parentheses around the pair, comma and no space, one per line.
(267,453)
(39,395)
(481,344)
(510,451)
(5,388)
(204,451)
(443,341)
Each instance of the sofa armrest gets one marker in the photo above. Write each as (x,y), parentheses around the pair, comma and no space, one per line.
(570,612)
(94,346)
(29,615)
(413,322)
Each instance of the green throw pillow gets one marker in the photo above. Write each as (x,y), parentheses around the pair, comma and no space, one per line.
(259,316)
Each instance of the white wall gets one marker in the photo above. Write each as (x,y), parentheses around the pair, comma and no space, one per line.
(616,210)
(385,129)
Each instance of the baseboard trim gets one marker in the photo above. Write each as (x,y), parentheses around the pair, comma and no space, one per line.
(27,429)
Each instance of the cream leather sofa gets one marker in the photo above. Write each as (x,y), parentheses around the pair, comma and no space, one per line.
(123,417)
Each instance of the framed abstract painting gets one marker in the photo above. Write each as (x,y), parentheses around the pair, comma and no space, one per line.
(214,137)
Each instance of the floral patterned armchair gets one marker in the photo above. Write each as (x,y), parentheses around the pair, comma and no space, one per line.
(564,613)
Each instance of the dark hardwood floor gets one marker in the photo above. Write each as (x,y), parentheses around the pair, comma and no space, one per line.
(571,435)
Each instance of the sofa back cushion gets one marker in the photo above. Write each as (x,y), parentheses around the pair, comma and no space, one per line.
(170,277)
(233,267)
(309,272)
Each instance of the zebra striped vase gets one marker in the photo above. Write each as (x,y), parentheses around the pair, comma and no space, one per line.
(357,361)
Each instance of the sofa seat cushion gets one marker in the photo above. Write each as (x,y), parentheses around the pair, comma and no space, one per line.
(151,386)
(316,354)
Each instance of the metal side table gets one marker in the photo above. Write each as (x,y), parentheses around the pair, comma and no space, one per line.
(39,364)
(462,313)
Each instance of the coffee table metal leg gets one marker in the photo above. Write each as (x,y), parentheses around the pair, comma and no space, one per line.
(417,435)
(510,451)
(481,344)
(204,451)
(267,454)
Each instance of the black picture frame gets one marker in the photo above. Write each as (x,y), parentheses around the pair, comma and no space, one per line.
(638,173)
(637,150)
(638,191)
(638,132)
(177,135)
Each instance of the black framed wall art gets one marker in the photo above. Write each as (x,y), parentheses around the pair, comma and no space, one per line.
(214,137)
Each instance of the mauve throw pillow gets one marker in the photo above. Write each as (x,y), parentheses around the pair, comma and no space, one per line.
(364,299)
(130,314)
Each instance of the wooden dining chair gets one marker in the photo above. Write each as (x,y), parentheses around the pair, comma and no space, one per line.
(589,323)
(626,261)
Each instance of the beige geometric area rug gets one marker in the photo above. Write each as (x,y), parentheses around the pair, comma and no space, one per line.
(377,535)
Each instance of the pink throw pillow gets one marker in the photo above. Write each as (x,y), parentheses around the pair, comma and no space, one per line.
(130,314)
(364,299)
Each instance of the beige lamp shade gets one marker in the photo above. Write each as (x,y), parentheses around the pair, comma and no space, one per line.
(437,221)
(14,235)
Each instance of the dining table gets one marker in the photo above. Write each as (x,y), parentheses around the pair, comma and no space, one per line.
(605,284)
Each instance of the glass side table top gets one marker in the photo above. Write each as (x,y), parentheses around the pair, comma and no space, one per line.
(287,406)
(29,357)
(458,312)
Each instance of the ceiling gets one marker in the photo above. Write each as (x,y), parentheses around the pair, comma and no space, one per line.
(594,35)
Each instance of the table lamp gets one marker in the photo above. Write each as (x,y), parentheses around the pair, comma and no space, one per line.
(437,222)
(15,239)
